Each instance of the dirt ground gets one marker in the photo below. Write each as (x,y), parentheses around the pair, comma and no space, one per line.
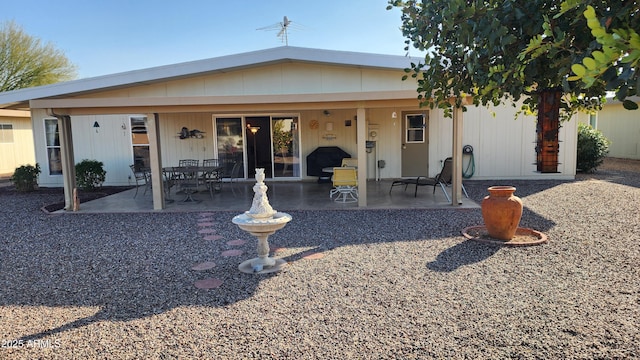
(620,165)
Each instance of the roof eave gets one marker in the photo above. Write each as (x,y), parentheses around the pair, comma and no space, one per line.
(207,66)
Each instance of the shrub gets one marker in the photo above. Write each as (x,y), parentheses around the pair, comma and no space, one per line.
(592,148)
(90,174)
(25,178)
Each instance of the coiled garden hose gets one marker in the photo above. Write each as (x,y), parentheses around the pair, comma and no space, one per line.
(471,167)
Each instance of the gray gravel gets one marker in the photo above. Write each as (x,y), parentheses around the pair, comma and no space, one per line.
(401,284)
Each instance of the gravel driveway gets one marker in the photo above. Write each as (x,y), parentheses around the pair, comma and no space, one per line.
(374,284)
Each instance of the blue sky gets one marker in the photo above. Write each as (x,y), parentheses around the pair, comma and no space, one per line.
(109,36)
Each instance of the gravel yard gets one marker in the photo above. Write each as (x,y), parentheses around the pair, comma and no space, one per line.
(363,284)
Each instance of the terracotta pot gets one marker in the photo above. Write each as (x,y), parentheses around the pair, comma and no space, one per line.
(501,211)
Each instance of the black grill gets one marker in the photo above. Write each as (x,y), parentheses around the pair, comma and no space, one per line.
(324,156)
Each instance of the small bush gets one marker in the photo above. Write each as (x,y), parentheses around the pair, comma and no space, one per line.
(90,174)
(593,147)
(25,178)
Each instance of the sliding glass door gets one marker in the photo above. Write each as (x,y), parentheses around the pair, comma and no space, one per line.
(286,147)
(230,141)
(269,142)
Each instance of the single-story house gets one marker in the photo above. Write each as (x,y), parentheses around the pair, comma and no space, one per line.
(295,100)
(16,140)
(621,127)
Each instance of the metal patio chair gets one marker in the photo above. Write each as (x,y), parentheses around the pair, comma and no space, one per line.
(212,177)
(142,177)
(345,184)
(444,179)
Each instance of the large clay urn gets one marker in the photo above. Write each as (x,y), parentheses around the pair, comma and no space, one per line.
(501,211)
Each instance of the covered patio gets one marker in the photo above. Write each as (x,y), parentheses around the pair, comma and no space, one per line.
(283,196)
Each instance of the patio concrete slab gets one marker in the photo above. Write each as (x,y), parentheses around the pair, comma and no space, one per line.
(283,196)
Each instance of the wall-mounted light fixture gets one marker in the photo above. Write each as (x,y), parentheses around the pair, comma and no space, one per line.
(394,115)
(96,125)
(326,113)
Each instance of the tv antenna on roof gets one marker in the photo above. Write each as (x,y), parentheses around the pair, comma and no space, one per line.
(283,28)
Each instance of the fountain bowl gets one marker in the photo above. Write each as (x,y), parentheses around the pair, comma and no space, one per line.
(270,224)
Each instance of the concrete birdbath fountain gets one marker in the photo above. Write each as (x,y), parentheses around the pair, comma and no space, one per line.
(261,221)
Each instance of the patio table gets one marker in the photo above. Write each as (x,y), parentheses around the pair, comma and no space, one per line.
(188,178)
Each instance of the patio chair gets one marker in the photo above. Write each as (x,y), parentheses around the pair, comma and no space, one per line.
(142,177)
(170,178)
(345,184)
(444,179)
(234,175)
(189,182)
(212,178)
(210,162)
(352,162)
(189,162)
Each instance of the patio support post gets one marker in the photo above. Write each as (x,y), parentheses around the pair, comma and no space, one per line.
(361,137)
(67,160)
(456,180)
(155,160)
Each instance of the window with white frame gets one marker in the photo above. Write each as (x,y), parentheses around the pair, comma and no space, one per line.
(593,120)
(52,142)
(6,133)
(140,142)
(415,125)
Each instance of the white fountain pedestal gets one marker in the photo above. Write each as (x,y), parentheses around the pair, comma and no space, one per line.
(261,221)
(261,229)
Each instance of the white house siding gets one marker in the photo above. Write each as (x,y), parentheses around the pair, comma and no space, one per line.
(173,148)
(504,147)
(622,127)
(109,143)
(20,150)
(286,78)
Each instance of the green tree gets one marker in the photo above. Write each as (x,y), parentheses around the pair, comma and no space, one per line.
(26,62)
(612,58)
(479,49)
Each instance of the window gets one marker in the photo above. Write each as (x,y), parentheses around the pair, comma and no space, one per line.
(140,142)
(52,138)
(415,125)
(6,133)
(593,120)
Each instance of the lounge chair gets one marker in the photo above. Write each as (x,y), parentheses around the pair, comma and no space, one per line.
(444,179)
